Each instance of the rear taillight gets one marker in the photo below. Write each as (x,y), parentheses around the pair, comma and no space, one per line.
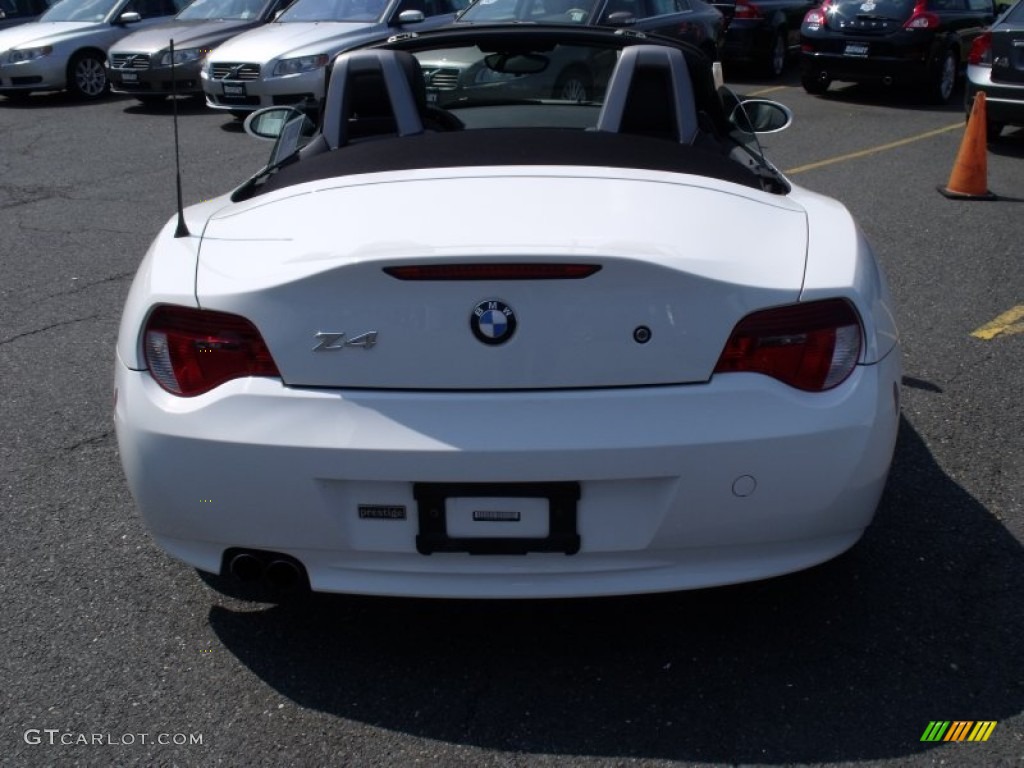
(981,50)
(921,19)
(746,10)
(191,351)
(813,346)
(815,18)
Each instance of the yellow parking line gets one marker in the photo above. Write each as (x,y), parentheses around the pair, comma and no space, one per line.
(1008,323)
(873,150)
(773,89)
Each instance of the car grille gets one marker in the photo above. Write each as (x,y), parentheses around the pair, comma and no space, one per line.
(442,79)
(235,71)
(129,61)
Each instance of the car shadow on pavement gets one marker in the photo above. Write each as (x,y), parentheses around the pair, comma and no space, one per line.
(187,105)
(55,100)
(848,661)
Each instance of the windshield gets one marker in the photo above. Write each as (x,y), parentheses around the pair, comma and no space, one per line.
(222,9)
(79,10)
(570,75)
(555,96)
(547,11)
(335,10)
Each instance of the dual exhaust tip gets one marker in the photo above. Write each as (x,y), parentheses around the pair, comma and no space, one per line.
(272,570)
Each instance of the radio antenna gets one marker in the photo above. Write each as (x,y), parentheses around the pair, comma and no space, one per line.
(182,230)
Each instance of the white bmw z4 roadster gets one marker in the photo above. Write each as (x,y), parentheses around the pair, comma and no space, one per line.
(464,338)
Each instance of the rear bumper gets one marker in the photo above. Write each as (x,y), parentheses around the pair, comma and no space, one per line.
(906,65)
(1004,102)
(680,487)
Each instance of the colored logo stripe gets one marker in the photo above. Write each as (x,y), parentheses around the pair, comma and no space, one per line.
(959,730)
(982,730)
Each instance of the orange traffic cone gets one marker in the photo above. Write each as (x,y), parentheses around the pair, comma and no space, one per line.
(968,181)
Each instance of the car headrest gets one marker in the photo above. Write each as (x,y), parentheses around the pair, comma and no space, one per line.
(373,93)
(650,93)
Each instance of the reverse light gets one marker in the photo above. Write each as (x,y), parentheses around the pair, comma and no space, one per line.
(813,346)
(921,19)
(981,50)
(191,351)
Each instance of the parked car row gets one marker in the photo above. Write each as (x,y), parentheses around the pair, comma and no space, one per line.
(242,55)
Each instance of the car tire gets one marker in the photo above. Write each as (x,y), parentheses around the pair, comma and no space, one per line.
(944,80)
(814,84)
(993,130)
(574,85)
(774,62)
(87,77)
(151,100)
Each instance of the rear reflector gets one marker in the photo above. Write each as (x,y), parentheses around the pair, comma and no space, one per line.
(191,351)
(493,271)
(813,346)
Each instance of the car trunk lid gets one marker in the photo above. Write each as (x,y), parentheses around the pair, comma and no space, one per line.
(679,260)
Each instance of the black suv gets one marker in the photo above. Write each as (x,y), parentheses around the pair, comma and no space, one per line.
(923,42)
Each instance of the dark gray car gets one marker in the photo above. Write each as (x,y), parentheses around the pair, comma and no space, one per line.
(140,64)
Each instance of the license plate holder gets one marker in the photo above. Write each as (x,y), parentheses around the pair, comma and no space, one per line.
(433,536)
(130,77)
(235,90)
(859,50)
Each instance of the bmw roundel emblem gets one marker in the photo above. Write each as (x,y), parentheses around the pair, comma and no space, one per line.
(493,321)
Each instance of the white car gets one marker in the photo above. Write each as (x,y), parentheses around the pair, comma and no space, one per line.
(506,348)
(284,62)
(67,48)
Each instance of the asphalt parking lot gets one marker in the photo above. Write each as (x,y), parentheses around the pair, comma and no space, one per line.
(845,664)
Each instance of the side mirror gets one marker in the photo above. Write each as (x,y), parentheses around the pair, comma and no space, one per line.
(268,123)
(620,19)
(290,129)
(129,17)
(410,17)
(761,116)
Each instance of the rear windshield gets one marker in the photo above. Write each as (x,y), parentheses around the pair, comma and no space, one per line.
(897,10)
(1016,13)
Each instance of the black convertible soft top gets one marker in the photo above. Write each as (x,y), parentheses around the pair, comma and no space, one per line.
(513,146)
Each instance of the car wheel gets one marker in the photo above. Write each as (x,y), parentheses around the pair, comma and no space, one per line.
(774,64)
(151,100)
(87,78)
(815,84)
(573,85)
(945,77)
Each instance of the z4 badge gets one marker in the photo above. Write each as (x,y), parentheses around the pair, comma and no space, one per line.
(332,341)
